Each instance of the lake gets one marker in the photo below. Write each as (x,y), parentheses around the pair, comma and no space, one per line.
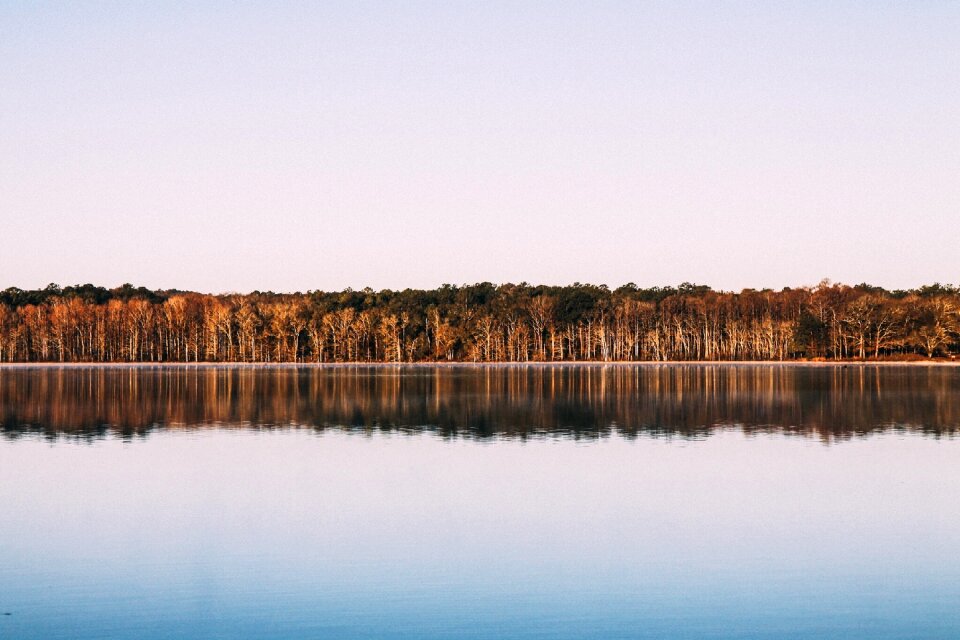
(581,501)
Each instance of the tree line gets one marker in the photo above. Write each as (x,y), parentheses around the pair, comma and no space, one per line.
(479,323)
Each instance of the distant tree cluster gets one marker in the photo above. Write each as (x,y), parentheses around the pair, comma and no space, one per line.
(478,323)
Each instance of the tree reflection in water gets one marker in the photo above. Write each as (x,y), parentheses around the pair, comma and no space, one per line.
(499,401)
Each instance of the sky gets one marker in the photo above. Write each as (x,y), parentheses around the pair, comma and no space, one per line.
(289,146)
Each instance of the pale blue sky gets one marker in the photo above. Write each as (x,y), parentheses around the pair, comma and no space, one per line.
(293,146)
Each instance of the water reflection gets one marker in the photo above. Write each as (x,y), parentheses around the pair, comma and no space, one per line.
(587,401)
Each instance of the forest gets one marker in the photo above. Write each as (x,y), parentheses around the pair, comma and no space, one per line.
(480,323)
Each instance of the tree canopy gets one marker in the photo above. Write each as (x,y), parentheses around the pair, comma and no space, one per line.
(480,322)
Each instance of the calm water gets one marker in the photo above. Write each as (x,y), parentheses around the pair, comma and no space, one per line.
(489,502)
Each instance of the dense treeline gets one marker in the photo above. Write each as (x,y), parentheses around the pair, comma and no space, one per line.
(481,322)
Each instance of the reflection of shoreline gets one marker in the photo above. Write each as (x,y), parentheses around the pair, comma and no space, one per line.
(586,400)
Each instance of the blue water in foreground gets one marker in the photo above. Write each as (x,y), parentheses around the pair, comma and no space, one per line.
(230,530)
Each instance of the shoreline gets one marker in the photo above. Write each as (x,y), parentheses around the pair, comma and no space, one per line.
(478,365)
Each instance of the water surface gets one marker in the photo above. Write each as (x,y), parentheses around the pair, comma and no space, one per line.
(489,502)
